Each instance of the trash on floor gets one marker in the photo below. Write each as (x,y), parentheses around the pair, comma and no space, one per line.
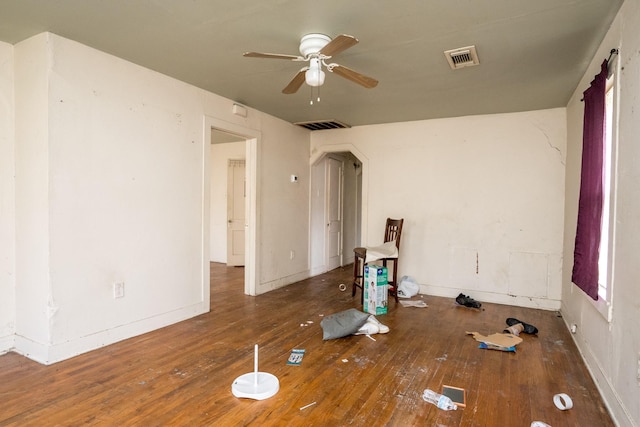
(372,326)
(306,406)
(502,342)
(408,287)
(351,322)
(342,324)
(456,394)
(526,328)
(413,303)
(563,401)
(467,301)
(295,358)
(514,329)
(440,400)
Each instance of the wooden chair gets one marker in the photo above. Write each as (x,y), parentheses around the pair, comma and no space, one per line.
(392,231)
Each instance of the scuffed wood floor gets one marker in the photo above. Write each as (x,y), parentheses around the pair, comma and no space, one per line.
(182,374)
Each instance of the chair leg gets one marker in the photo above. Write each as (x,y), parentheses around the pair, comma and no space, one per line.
(363,284)
(356,261)
(358,277)
(394,277)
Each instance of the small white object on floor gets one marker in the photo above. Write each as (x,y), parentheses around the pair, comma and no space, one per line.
(562,401)
(306,406)
(419,303)
(370,337)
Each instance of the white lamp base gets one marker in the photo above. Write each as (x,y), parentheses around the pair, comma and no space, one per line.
(260,388)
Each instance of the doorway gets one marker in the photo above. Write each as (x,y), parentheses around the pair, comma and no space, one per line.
(228,201)
(336,210)
(236,208)
(334,201)
(230,145)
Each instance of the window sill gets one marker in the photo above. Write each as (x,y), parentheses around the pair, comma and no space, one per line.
(602,306)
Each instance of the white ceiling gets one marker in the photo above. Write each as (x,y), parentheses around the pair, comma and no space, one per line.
(532,53)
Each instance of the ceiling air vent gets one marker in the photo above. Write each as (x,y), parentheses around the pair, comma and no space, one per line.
(322,124)
(462,57)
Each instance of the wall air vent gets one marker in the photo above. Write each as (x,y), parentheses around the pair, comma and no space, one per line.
(462,57)
(322,125)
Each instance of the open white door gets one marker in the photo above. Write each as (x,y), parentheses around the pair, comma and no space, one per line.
(236,197)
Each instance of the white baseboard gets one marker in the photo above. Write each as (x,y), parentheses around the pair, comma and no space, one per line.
(284,281)
(49,354)
(7,343)
(318,270)
(619,413)
(481,296)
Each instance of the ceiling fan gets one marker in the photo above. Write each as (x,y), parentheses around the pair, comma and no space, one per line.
(316,49)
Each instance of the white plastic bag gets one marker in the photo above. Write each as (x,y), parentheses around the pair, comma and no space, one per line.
(408,287)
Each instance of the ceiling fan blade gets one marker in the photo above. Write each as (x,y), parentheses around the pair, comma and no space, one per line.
(295,83)
(272,56)
(354,76)
(338,44)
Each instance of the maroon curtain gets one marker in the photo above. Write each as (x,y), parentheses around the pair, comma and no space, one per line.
(587,245)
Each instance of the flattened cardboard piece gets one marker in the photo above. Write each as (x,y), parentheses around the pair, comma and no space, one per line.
(486,346)
(499,340)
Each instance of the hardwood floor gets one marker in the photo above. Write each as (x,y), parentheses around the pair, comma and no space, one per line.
(182,374)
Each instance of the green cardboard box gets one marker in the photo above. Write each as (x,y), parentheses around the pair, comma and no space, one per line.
(376,285)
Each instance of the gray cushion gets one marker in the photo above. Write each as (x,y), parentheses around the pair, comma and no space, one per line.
(341,324)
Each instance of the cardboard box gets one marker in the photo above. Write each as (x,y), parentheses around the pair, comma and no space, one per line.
(375,289)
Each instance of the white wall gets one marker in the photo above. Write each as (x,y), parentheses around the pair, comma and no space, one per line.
(482,198)
(317,225)
(611,350)
(110,165)
(7,203)
(284,206)
(221,153)
(34,302)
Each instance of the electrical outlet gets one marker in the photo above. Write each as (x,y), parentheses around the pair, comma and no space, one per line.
(118,290)
(574,328)
(292,255)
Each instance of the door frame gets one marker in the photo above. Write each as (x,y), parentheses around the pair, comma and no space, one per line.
(317,156)
(252,221)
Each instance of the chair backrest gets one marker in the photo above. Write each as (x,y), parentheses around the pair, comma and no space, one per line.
(393,231)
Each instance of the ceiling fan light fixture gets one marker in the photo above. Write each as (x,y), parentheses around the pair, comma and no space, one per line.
(316,49)
(314,76)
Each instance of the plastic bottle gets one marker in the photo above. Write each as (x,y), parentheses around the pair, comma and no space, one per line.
(440,400)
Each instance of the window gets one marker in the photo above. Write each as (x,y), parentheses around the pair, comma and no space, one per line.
(605,260)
